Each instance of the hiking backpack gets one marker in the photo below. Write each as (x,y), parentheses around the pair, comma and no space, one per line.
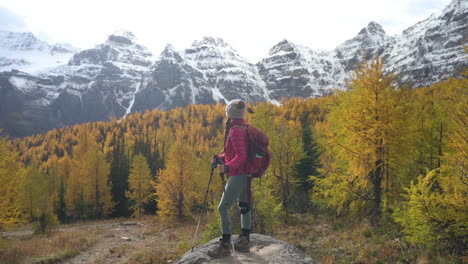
(258,158)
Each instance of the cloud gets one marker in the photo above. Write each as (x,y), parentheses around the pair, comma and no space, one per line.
(251,27)
(10,21)
(430,6)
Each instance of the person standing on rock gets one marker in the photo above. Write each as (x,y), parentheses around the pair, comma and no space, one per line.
(234,159)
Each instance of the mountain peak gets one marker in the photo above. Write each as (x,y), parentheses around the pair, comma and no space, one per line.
(210,41)
(170,52)
(373,28)
(169,47)
(125,34)
(284,45)
(285,42)
(21,41)
(456,4)
(122,37)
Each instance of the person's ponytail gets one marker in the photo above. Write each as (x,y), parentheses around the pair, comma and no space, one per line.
(226,133)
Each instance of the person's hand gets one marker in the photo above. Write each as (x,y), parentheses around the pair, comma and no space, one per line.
(223,168)
(215,159)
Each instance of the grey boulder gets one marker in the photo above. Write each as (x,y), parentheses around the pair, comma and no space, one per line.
(263,249)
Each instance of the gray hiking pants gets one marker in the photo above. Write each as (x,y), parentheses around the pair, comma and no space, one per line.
(235,189)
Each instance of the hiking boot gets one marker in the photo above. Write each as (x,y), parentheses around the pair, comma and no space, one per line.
(222,250)
(242,244)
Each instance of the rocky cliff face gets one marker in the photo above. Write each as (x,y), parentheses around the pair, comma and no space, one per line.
(207,72)
(295,71)
(25,103)
(432,49)
(369,42)
(172,82)
(228,75)
(100,83)
(121,76)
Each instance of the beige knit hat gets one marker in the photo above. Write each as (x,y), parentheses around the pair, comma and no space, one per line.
(235,109)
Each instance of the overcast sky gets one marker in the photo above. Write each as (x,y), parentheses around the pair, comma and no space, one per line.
(251,27)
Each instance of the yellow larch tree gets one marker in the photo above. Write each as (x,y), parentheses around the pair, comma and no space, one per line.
(38,198)
(139,182)
(367,137)
(88,186)
(75,184)
(175,184)
(286,146)
(434,211)
(11,179)
(97,189)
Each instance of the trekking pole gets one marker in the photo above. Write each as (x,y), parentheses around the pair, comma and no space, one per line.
(222,179)
(213,166)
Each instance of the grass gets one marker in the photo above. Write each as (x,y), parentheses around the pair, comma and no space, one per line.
(51,248)
(118,251)
(159,242)
(330,240)
(167,241)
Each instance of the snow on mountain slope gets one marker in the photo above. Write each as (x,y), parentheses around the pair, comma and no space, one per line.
(24,52)
(171,82)
(369,42)
(111,71)
(432,49)
(423,54)
(208,72)
(293,70)
(21,41)
(228,74)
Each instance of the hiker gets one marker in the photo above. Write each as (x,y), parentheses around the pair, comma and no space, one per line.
(234,159)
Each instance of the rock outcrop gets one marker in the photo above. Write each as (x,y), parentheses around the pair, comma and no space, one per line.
(264,249)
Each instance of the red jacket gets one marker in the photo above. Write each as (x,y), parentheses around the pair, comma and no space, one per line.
(235,156)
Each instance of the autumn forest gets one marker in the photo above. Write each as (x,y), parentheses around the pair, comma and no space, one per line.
(377,151)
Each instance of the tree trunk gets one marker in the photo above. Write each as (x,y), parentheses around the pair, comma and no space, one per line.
(180,206)
(376,179)
(440,145)
(97,212)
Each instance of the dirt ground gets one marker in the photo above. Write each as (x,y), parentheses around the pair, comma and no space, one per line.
(113,242)
(123,241)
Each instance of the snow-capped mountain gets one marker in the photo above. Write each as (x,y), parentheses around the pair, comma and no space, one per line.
(296,71)
(228,74)
(423,54)
(171,82)
(432,49)
(369,42)
(25,52)
(120,76)
(21,41)
(207,72)
(101,82)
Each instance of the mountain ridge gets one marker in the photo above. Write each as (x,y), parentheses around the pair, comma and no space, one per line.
(121,76)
